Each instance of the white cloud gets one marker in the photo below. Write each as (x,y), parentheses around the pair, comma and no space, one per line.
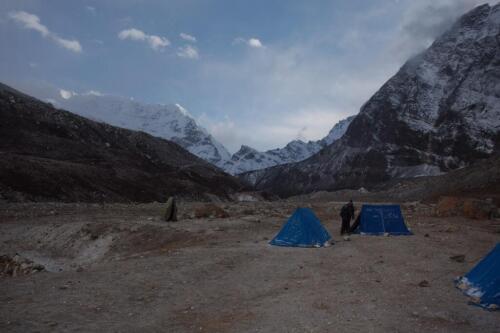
(188,37)
(133,34)
(91,9)
(188,51)
(72,45)
(94,93)
(67,94)
(425,20)
(32,22)
(252,42)
(157,43)
(33,64)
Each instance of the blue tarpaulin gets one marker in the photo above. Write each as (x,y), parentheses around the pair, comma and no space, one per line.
(382,219)
(482,283)
(302,229)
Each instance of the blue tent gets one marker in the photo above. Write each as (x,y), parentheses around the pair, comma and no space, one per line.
(482,283)
(302,229)
(380,220)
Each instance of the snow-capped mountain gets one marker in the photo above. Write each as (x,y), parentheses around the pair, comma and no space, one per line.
(248,159)
(337,131)
(441,111)
(171,122)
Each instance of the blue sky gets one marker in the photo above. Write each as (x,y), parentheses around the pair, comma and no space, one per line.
(259,73)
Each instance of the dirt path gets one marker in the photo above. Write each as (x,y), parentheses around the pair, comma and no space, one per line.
(118,268)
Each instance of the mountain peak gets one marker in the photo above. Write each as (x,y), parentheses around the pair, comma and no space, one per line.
(168,121)
(439,112)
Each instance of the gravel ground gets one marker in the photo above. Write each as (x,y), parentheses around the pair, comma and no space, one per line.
(119,268)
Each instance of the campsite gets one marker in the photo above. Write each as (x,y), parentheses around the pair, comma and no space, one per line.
(119,267)
(227,166)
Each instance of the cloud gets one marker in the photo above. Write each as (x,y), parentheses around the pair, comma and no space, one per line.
(251,42)
(67,94)
(188,37)
(157,43)
(254,42)
(188,51)
(32,22)
(94,93)
(224,131)
(425,20)
(91,9)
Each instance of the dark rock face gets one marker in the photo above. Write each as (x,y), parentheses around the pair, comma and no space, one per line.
(440,111)
(53,155)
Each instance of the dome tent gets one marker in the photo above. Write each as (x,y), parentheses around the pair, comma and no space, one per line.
(303,229)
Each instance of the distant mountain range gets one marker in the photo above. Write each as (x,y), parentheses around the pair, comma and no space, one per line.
(439,112)
(174,123)
(248,159)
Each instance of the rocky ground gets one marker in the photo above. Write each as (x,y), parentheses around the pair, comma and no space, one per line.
(119,268)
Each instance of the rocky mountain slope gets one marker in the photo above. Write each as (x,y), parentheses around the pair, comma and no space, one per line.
(53,155)
(171,122)
(248,159)
(441,111)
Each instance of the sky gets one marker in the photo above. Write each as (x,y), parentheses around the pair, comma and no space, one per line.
(259,73)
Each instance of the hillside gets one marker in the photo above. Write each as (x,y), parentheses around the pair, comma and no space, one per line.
(171,122)
(54,155)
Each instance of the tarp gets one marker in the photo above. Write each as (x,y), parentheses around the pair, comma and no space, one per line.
(482,283)
(381,220)
(302,229)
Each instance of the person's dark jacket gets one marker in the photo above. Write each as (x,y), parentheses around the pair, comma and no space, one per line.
(347,212)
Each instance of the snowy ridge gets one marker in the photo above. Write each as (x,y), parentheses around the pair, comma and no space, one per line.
(171,122)
(249,159)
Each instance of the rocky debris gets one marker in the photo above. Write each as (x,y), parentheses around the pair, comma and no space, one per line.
(210,211)
(18,265)
(458,258)
(424,283)
(467,207)
(246,197)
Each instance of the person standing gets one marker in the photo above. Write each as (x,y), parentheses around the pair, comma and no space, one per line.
(347,214)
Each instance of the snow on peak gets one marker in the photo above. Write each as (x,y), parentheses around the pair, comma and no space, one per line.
(172,122)
(183,110)
(249,159)
(338,130)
